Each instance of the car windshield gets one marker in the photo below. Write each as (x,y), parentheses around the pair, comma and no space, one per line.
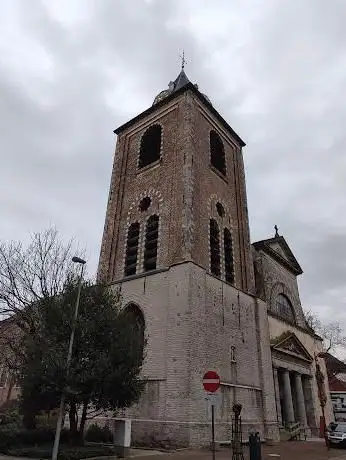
(338,427)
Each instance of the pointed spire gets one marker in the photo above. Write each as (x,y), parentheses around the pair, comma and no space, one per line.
(181,80)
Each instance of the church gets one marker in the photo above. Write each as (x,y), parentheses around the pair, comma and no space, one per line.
(176,243)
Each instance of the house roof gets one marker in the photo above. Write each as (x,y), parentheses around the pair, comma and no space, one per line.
(333,364)
(336,384)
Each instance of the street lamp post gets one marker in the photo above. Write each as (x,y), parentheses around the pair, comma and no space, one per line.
(68,360)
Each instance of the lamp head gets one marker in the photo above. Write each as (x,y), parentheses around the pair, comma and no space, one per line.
(78,260)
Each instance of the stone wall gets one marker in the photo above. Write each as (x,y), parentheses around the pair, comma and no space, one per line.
(193,320)
(275,279)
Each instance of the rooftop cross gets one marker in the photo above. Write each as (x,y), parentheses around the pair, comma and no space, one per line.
(183,60)
(276,230)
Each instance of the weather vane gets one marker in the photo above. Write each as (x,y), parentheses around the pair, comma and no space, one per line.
(183,60)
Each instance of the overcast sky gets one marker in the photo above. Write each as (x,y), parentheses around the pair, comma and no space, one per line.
(73,70)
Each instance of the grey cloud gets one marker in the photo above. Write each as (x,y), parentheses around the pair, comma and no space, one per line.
(276,72)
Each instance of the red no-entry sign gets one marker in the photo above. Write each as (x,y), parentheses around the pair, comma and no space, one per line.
(211,381)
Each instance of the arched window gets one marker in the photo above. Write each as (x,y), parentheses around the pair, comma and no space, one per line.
(284,308)
(228,250)
(217,153)
(214,248)
(135,317)
(132,249)
(151,240)
(150,146)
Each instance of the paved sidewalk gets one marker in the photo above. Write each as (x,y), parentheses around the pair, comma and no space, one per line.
(309,450)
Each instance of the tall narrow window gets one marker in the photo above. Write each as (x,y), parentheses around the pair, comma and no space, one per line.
(134,316)
(150,146)
(228,249)
(132,249)
(151,239)
(217,153)
(214,248)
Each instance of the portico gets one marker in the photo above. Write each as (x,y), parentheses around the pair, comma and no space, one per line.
(293,382)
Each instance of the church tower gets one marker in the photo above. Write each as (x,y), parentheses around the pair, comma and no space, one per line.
(176,240)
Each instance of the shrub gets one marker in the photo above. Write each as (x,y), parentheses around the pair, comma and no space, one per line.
(10,438)
(9,414)
(64,454)
(95,433)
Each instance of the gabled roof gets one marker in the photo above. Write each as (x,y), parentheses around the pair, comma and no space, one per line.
(289,344)
(180,85)
(333,364)
(336,384)
(278,249)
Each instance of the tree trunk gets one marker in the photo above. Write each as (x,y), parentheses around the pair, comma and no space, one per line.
(73,423)
(82,421)
(29,416)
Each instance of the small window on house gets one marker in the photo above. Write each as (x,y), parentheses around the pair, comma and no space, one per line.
(217,153)
(220,209)
(151,240)
(150,146)
(228,249)
(233,360)
(132,249)
(214,248)
(284,308)
(144,204)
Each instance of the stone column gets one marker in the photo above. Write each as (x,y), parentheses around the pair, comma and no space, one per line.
(300,399)
(277,394)
(289,411)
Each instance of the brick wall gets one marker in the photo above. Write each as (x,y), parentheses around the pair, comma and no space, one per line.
(186,187)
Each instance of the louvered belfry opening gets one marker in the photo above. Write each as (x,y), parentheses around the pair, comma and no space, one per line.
(151,240)
(150,146)
(217,153)
(228,249)
(214,248)
(132,249)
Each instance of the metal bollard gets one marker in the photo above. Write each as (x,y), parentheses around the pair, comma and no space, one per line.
(255,446)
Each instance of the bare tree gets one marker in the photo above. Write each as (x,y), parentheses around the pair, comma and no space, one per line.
(332,332)
(29,275)
(33,273)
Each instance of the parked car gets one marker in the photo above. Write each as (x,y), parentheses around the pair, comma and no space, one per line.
(336,432)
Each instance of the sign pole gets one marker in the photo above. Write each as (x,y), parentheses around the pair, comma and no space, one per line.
(211,383)
(212,431)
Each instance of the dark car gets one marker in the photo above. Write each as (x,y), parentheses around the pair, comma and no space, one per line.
(336,432)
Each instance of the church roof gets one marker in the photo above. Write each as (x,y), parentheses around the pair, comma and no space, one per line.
(181,80)
(278,249)
(175,88)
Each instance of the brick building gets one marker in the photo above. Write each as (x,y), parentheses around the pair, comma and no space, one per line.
(177,242)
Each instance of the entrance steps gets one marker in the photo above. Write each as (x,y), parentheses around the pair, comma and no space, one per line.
(293,432)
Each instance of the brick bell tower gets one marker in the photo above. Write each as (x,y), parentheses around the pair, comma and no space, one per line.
(177,192)
(176,241)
